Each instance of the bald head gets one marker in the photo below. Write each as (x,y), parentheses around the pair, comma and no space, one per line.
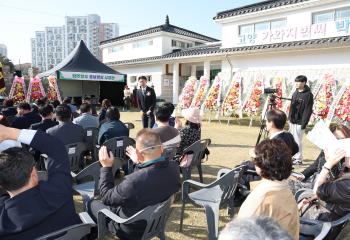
(148,144)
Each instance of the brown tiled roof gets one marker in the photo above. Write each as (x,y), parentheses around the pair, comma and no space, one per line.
(163,28)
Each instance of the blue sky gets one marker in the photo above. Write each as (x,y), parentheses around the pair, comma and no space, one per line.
(19,19)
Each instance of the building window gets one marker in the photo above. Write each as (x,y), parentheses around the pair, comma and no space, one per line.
(180,44)
(115,49)
(262,26)
(332,15)
(142,44)
(277,24)
(323,17)
(246,29)
(342,13)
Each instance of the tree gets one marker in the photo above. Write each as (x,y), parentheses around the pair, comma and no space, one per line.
(7,62)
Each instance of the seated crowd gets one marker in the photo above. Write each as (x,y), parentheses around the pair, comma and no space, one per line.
(30,208)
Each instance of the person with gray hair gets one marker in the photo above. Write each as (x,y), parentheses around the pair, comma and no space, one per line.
(260,228)
(154,180)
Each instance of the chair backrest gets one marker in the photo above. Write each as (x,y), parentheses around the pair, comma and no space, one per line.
(344,232)
(169,151)
(75,151)
(118,146)
(91,136)
(156,217)
(340,224)
(129,125)
(198,150)
(314,229)
(228,183)
(77,231)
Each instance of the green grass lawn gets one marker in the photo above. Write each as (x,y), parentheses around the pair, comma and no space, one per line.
(230,146)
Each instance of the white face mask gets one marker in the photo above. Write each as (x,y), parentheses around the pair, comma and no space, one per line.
(143,149)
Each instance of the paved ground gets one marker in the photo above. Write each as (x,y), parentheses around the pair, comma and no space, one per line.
(230,146)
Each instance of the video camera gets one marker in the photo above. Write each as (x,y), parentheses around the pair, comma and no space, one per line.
(270,90)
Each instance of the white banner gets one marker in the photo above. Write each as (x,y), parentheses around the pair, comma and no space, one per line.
(297,33)
(90,76)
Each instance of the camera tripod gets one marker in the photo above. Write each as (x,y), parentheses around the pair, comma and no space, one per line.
(263,131)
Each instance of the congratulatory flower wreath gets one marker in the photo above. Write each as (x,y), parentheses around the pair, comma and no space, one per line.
(187,93)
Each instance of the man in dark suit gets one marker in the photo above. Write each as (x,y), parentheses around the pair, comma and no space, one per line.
(66,131)
(32,208)
(8,110)
(26,117)
(46,113)
(154,180)
(275,122)
(146,99)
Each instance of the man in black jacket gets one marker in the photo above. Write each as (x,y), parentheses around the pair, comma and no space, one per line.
(32,208)
(9,110)
(146,99)
(300,113)
(26,116)
(46,113)
(153,181)
(275,122)
(66,131)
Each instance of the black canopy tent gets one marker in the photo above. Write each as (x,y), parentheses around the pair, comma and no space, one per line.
(80,74)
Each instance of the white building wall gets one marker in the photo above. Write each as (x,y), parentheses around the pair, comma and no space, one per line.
(33,48)
(3,50)
(93,36)
(108,31)
(296,17)
(40,50)
(54,40)
(128,50)
(162,44)
(76,29)
(155,71)
(321,59)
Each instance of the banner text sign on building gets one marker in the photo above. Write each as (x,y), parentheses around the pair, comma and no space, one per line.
(297,33)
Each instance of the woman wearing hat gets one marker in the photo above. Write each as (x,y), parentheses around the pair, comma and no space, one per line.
(191,132)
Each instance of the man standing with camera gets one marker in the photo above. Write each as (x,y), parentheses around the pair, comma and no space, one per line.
(300,113)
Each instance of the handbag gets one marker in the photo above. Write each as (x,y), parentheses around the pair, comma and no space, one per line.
(185,160)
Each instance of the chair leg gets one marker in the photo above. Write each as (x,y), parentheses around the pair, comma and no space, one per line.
(231,207)
(186,174)
(182,215)
(212,213)
(161,235)
(199,166)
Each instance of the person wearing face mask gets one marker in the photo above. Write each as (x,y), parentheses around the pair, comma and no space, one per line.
(154,180)
(300,113)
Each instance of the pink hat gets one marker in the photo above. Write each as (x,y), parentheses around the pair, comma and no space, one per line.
(192,114)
